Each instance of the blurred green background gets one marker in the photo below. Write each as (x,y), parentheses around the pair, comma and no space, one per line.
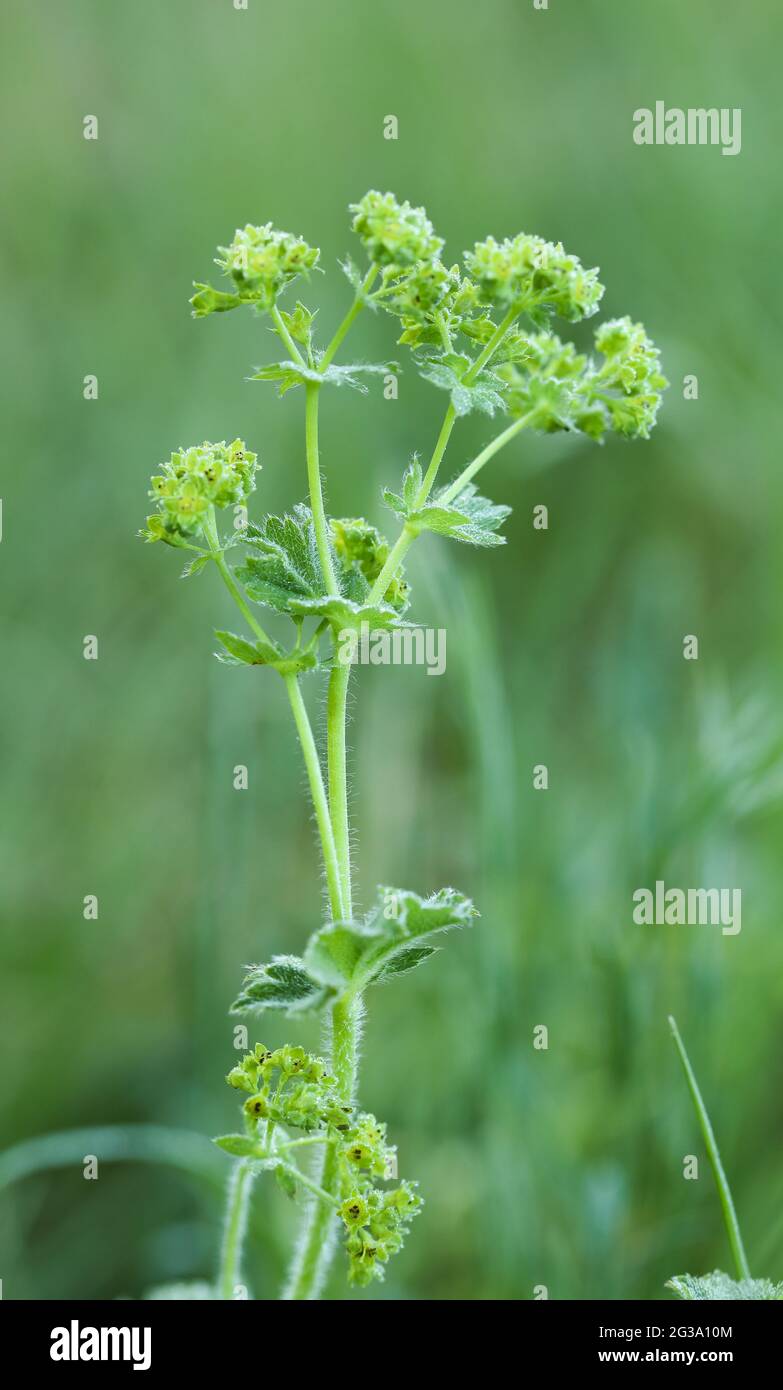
(561,1167)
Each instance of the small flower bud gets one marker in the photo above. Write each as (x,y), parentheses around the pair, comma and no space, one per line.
(239,1079)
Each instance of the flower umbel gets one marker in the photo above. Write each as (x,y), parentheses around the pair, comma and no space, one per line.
(393,233)
(535,274)
(290,1089)
(195,479)
(261,262)
(557,388)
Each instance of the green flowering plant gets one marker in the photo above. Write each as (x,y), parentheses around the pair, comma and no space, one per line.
(480,332)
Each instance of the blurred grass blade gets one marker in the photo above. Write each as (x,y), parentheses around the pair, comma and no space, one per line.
(722,1182)
(179,1148)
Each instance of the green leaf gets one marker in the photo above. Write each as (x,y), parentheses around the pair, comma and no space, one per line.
(347,376)
(352,273)
(195,566)
(290,374)
(333,952)
(240,1145)
(243,653)
(405,960)
(282,560)
(470,517)
(718,1285)
(390,941)
(286,1180)
(344,614)
(447,370)
(412,480)
(300,323)
(284,983)
(208,301)
(404,503)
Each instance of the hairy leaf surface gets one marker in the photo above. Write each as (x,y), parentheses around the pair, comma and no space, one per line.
(282,984)
(718,1285)
(390,941)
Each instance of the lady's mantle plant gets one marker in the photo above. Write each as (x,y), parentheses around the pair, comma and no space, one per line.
(481,333)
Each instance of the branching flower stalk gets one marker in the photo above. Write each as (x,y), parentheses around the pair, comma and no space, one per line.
(481,333)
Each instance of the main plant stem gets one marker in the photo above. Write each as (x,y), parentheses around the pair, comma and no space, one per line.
(239,1185)
(336,718)
(316,490)
(313,1253)
(320,804)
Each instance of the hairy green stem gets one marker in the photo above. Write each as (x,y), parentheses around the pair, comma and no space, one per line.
(210,530)
(304,729)
(239,1184)
(316,1244)
(313,1254)
(408,533)
(314,1250)
(279,322)
(320,804)
(394,559)
(437,454)
(336,718)
(316,490)
(448,423)
(455,488)
(493,343)
(721,1181)
(348,320)
(314,1187)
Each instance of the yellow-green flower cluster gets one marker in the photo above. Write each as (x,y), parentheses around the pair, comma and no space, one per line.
(195,479)
(560,389)
(393,233)
(376,1225)
(261,261)
(360,547)
(418,293)
(534,274)
(288,1086)
(293,1088)
(434,305)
